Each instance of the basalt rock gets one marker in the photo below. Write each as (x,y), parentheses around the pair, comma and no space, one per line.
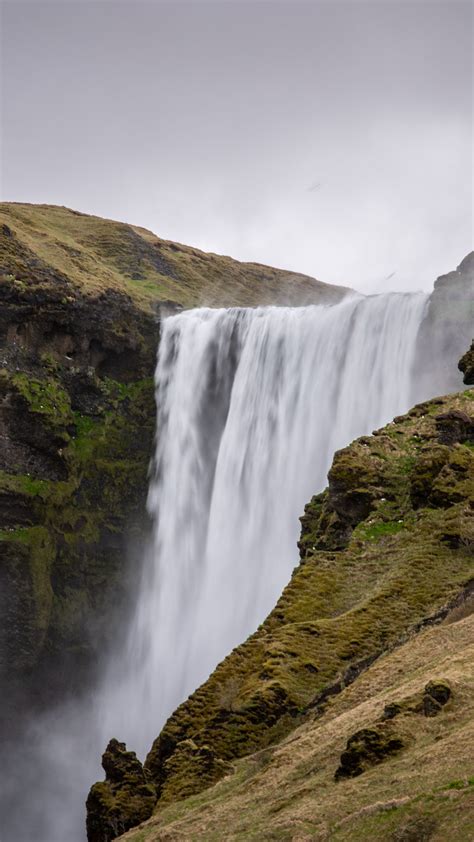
(190,769)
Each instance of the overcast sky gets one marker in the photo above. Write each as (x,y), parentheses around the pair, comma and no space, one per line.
(332,138)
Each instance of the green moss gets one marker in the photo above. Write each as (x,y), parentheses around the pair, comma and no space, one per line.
(24,484)
(374,531)
(44,397)
(74,583)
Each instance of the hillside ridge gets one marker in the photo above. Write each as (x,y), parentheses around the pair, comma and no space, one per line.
(91,255)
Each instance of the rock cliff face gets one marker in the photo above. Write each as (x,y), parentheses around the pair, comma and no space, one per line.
(386,552)
(447,328)
(76,428)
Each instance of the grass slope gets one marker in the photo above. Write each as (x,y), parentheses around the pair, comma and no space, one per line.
(385,549)
(45,242)
(288,792)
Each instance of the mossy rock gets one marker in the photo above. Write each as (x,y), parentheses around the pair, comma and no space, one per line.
(436,695)
(367,748)
(123,800)
(190,769)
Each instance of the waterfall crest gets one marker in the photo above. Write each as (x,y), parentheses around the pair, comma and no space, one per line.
(251,405)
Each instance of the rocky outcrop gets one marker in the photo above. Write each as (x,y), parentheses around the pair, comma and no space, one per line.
(123,800)
(367,748)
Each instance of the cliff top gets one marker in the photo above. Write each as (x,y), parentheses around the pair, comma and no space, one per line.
(49,245)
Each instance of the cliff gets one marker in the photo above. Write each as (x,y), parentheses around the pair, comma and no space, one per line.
(347,700)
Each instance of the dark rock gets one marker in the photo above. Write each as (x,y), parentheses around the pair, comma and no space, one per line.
(367,748)
(77,421)
(391,711)
(454,426)
(351,481)
(123,800)
(435,696)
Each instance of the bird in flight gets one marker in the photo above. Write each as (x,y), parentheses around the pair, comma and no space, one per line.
(314,187)
(390,276)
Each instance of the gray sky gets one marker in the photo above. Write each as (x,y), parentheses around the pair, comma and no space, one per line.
(333,138)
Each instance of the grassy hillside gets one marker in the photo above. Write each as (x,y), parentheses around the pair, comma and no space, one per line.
(386,551)
(288,791)
(45,243)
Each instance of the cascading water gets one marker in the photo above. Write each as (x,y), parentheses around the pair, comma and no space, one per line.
(251,405)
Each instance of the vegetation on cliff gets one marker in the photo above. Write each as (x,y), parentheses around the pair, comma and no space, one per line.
(386,552)
(423,791)
(73,488)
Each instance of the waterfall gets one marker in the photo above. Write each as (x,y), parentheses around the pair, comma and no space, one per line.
(251,405)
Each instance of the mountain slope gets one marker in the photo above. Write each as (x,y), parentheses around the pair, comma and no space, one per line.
(289,792)
(50,245)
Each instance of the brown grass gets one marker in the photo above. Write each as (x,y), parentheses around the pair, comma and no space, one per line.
(292,794)
(97,254)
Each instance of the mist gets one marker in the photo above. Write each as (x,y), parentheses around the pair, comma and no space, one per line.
(333,139)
